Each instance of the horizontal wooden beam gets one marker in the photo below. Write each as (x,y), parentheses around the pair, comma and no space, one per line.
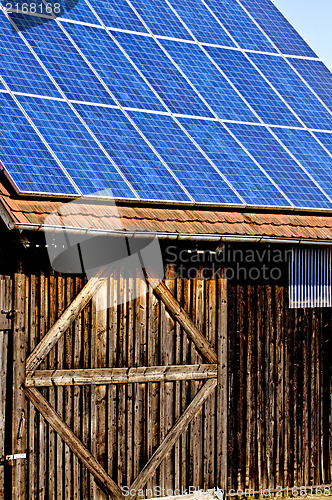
(170,439)
(103,376)
(64,322)
(51,416)
(182,317)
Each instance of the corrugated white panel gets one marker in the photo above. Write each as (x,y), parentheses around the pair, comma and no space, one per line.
(310,277)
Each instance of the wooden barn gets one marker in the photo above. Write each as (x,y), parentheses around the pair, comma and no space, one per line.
(204,128)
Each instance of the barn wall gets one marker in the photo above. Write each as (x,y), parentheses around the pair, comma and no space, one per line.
(279,363)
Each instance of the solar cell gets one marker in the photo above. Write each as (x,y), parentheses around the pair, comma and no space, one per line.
(317,75)
(160,18)
(289,176)
(293,90)
(240,26)
(25,157)
(79,12)
(209,81)
(189,165)
(81,156)
(66,65)
(234,163)
(311,155)
(131,153)
(162,75)
(201,22)
(117,14)
(277,27)
(19,68)
(253,87)
(114,67)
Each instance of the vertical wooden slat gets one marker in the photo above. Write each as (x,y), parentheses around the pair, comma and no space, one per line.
(42,425)
(187,298)
(177,389)
(196,426)
(111,389)
(241,378)
(251,393)
(85,392)
(68,394)
(168,359)
(61,304)
(129,361)
(51,391)
(270,389)
(100,300)
(121,400)
(305,406)
(209,473)
(232,399)
(3,387)
(152,394)
(6,302)
(19,407)
(287,398)
(222,387)
(279,385)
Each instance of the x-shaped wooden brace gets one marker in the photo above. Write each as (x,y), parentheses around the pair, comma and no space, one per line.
(109,376)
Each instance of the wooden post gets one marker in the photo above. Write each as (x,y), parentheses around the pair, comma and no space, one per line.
(222,387)
(3,386)
(19,408)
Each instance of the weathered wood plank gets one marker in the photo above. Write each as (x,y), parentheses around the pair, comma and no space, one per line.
(19,407)
(100,475)
(131,375)
(183,318)
(173,435)
(3,387)
(222,387)
(64,322)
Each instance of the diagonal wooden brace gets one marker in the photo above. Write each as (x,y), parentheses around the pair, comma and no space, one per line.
(77,447)
(180,315)
(170,439)
(65,320)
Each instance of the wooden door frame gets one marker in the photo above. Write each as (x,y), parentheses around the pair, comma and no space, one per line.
(215,374)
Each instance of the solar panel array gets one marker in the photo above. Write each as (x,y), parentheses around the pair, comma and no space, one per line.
(197,101)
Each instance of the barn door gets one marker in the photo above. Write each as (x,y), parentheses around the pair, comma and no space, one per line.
(31,381)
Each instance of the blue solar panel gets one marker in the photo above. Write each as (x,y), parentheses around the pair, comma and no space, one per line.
(66,65)
(19,68)
(114,67)
(293,90)
(74,146)
(234,163)
(189,165)
(318,76)
(200,160)
(23,154)
(160,18)
(131,153)
(209,81)
(240,26)
(201,22)
(117,14)
(81,12)
(289,176)
(253,87)
(276,26)
(311,155)
(326,140)
(163,76)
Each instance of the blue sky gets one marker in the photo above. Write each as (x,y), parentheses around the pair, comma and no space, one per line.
(313,20)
